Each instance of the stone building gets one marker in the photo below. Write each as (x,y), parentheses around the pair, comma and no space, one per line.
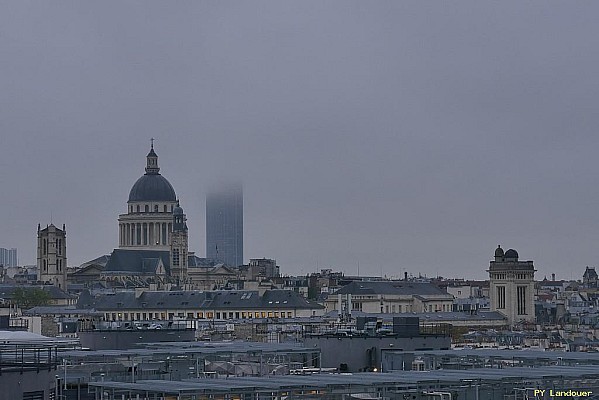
(512,286)
(389,297)
(153,241)
(52,255)
(179,247)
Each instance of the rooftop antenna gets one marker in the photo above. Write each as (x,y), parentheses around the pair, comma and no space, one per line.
(358,268)
(152,143)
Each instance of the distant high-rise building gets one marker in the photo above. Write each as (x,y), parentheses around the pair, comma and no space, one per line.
(8,257)
(224,224)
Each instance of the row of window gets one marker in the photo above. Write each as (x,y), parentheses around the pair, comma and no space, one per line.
(520,299)
(146,208)
(58,265)
(393,308)
(58,245)
(146,316)
(516,276)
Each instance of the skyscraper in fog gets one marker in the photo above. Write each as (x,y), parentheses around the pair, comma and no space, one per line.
(224,224)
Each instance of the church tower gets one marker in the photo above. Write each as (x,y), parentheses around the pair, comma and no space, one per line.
(52,255)
(512,286)
(179,246)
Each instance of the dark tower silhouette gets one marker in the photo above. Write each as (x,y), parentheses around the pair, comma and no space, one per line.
(224,224)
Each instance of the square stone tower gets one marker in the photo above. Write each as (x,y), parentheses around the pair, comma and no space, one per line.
(512,286)
(52,255)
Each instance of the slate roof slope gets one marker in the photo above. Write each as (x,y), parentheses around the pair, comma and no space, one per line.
(136,261)
(418,288)
(123,260)
(389,287)
(197,299)
(270,299)
(101,261)
(365,288)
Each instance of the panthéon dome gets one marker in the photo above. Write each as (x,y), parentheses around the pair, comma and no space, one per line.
(152,186)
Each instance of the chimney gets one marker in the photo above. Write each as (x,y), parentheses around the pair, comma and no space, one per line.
(405,276)
(553,277)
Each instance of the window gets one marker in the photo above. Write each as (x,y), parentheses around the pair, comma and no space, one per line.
(147,208)
(165,208)
(156,208)
(521,297)
(501,297)
(175,257)
(138,208)
(38,395)
(217,315)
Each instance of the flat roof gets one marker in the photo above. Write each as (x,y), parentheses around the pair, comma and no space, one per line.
(506,353)
(175,348)
(349,381)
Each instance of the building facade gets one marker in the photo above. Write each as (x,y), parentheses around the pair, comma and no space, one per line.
(224,225)
(386,297)
(52,255)
(512,286)
(8,257)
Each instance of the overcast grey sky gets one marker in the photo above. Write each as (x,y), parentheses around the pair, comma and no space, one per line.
(406,136)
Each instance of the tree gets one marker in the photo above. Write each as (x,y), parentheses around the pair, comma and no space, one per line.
(27,298)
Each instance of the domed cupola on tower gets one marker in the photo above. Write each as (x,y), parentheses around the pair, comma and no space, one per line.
(149,218)
(152,186)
